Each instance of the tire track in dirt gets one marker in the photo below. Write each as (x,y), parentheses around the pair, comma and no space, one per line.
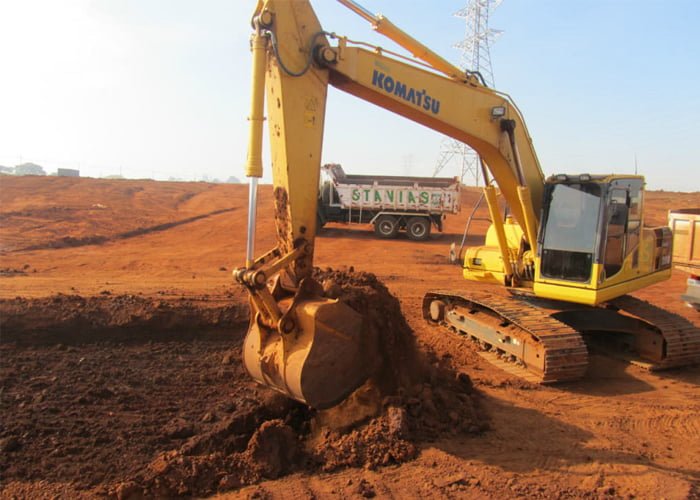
(669,422)
(69,241)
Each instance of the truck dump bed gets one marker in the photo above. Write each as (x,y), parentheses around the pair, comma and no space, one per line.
(437,195)
(685,224)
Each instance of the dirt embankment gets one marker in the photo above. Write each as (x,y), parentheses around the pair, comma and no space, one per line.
(59,212)
(73,318)
(70,241)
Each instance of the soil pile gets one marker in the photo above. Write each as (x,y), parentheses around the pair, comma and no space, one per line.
(261,439)
(110,408)
(411,398)
(406,376)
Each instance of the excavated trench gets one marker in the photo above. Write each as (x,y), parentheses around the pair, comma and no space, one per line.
(126,395)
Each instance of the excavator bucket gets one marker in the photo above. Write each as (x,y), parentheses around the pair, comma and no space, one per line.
(330,354)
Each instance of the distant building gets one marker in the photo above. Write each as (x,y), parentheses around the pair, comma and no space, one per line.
(6,170)
(68,172)
(29,169)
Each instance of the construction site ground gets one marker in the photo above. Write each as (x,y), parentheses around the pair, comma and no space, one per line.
(120,367)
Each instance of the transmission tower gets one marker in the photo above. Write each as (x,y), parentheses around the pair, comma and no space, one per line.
(475,56)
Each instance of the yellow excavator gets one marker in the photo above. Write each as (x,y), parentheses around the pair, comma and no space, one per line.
(569,251)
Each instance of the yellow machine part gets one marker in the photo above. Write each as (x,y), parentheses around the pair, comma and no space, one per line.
(322,363)
(485,263)
(311,348)
(638,271)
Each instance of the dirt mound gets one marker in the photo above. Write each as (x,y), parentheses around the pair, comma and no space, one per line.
(259,440)
(73,318)
(400,362)
(384,440)
(435,398)
(160,418)
(410,399)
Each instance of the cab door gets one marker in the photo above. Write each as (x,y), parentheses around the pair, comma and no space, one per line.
(623,224)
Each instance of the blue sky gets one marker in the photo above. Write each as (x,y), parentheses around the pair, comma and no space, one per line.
(160,87)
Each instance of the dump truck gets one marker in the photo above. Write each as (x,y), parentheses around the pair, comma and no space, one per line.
(685,224)
(390,203)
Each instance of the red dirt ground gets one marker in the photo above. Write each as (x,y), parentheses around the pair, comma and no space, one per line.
(120,371)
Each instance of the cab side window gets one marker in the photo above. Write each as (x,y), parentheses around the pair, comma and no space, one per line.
(634,222)
(618,213)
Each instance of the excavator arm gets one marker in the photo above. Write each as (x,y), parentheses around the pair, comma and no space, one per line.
(316,349)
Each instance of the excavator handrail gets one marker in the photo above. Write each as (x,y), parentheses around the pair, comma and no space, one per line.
(384,26)
(381,50)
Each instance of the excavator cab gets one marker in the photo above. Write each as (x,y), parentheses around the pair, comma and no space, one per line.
(591,238)
(569,234)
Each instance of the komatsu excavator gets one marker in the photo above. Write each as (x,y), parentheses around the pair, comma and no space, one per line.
(571,249)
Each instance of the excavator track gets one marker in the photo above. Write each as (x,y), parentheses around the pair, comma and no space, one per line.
(541,348)
(681,337)
(529,338)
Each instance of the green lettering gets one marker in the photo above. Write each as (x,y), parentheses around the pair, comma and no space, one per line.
(366,191)
(389,196)
(411,197)
(424,197)
(378,196)
(355,195)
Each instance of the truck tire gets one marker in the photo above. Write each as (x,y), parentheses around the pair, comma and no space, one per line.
(386,226)
(418,228)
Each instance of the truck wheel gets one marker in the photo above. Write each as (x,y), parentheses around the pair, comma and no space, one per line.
(386,226)
(418,228)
